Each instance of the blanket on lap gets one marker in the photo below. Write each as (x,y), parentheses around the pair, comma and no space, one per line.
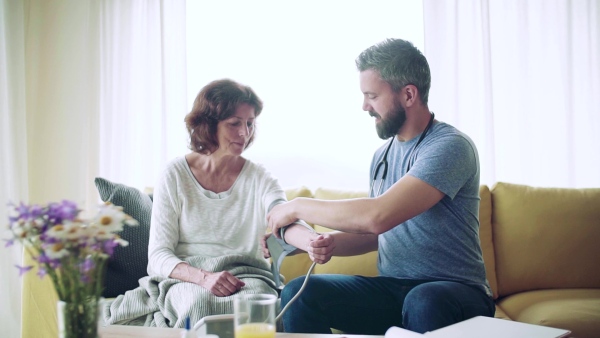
(167,302)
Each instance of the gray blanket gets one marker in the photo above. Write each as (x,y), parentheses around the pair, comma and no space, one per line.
(167,302)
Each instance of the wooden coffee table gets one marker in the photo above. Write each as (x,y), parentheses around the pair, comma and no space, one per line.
(124,331)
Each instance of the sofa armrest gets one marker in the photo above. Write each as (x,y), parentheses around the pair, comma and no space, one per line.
(38,304)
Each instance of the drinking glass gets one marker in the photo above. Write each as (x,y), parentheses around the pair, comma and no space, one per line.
(254,315)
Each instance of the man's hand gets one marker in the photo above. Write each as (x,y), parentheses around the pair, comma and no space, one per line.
(280,216)
(321,248)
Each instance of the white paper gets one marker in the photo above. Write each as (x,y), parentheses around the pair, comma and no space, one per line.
(397,332)
(478,327)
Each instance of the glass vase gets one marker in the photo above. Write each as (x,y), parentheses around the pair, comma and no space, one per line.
(78,320)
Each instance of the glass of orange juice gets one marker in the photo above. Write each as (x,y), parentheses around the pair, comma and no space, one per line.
(254,315)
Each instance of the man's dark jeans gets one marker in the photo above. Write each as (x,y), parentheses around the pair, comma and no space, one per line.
(371,305)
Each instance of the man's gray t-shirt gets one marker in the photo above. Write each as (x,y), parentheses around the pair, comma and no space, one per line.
(442,243)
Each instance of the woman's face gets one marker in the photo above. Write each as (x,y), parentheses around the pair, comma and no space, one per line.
(234,133)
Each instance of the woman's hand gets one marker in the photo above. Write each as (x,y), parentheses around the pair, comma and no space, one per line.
(280,216)
(263,245)
(320,250)
(220,283)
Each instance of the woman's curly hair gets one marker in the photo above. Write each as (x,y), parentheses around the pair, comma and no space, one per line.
(217,101)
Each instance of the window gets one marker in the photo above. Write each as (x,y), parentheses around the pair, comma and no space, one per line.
(299,58)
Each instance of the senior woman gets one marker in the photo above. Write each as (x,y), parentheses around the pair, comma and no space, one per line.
(208,219)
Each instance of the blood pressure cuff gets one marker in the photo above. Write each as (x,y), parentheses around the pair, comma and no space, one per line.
(278,248)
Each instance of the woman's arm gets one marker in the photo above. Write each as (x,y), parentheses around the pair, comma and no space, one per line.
(219,283)
(164,226)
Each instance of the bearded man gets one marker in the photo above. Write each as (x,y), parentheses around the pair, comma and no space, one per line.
(422,216)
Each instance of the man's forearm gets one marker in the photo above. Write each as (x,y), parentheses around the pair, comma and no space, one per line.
(348,244)
(352,215)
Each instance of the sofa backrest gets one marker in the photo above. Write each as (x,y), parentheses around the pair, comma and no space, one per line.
(298,265)
(365,264)
(545,238)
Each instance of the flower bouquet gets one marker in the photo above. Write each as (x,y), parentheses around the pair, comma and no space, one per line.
(73,252)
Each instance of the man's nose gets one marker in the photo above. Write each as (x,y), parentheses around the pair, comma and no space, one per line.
(366,106)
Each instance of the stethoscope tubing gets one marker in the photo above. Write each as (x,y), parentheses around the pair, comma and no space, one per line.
(384,161)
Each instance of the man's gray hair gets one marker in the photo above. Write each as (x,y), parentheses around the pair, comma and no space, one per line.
(399,63)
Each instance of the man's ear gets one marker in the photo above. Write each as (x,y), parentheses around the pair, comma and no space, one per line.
(411,95)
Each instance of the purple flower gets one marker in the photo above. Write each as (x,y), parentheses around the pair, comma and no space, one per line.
(12,220)
(48,239)
(109,247)
(41,272)
(88,265)
(58,212)
(23,210)
(23,269)
(95,246)
(9,242)
(43,259)
(26,212)
(71,251)
(36,211)
(54,263)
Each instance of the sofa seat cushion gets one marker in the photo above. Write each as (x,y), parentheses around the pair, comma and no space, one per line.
(500,314)
(577,310)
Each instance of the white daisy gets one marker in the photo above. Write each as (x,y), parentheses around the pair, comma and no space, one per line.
(96,232)
(56,250)
(58,231)
(120,241)
(110,219)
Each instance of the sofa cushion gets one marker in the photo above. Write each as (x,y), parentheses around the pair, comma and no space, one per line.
(500,314)
(292,193)
(571,309)
(365,264)
(128,264)
(485,237)
(545,238)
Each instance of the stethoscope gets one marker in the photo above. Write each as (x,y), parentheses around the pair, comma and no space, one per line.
(384,161)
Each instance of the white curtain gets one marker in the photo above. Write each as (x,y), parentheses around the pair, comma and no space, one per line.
(143,89)
(522,78)
(85,87)
(13,155)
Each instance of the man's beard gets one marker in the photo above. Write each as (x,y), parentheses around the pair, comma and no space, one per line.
(390,126)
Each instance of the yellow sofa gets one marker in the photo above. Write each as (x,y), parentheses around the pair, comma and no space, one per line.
(541,248)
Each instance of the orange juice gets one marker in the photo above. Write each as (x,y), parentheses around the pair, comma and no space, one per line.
(255,330)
